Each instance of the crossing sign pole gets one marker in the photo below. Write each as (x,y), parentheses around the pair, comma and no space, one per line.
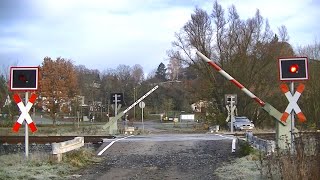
(292,117)
(290,70)
(26,131)
(24,79)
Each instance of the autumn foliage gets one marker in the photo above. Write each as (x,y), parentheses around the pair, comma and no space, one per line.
(58,85)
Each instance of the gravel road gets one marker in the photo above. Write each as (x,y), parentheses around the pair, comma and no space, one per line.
(194,159)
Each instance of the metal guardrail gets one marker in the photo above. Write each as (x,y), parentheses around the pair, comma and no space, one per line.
(267,146)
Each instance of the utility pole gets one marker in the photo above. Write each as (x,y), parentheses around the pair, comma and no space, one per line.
(26,137)
(116,105)
(108,100)
(232,116)
(134,100)
(101,110)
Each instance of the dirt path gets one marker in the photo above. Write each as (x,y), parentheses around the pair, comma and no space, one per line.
(161,160)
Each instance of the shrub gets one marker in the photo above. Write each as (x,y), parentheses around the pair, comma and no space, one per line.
(301,162)
(80,158)
(245,148)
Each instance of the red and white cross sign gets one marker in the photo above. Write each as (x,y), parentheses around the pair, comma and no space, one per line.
(292,102)
(24,112)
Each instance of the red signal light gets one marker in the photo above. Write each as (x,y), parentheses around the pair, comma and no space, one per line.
(294,68)
(22,78)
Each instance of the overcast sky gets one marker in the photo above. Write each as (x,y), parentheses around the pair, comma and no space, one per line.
(102,34)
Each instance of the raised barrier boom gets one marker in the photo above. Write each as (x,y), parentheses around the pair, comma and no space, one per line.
(112,124)
(266,106)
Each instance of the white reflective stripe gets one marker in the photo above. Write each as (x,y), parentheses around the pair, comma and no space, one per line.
(24,113)
(203,56)
(144,96)
(28,106)
(250,94)
(226,75)
(234,140)
(28,118)
(233,148)
(296,108)
(296,96)
(293,102)
(105,148)
(20,119)
(110,144)
(288,95)
(289,108)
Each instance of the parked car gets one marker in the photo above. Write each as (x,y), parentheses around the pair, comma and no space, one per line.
(242,123)
(171,116)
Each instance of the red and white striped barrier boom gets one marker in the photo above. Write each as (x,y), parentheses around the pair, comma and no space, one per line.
(230,78)
(24,112)
(266,106)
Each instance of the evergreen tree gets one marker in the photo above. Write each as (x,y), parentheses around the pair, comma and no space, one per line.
(161,72)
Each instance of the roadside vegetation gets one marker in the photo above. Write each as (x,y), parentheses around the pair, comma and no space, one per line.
(242,168)
(42,166)
(300,162)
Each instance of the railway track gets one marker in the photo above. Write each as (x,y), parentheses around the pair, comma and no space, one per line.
(99,139)
(50,139)
(272,135)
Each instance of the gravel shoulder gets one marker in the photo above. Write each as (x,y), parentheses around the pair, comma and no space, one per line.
(162,160)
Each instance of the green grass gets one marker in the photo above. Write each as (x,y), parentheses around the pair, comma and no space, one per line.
(41,166)
(246,167)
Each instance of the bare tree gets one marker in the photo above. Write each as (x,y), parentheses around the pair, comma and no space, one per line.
(247,49)
(174,68)
(137,74)
(312,51)
(283,33)
(310,98)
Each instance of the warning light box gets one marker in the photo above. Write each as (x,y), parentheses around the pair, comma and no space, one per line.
(24,78)
(293,69)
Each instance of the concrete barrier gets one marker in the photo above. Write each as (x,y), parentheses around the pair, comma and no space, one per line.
(59,148)
(267,146)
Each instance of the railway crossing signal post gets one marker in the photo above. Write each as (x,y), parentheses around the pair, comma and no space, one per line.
(231,105)
(290,70)
(296,69)
(24,79)
(116,99)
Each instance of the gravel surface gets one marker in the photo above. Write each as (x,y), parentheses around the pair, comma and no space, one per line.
(161,160)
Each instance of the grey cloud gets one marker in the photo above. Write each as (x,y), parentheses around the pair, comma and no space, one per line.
(17,10)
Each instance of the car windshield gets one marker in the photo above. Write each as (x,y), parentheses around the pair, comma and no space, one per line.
(242,120)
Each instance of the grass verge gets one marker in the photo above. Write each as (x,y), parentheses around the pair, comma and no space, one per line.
(41,165)
(242,168)
(300,162)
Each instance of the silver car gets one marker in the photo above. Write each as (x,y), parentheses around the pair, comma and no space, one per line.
(242,123)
